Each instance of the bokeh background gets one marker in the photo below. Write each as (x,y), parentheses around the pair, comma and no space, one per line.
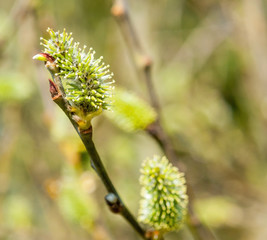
(210,73)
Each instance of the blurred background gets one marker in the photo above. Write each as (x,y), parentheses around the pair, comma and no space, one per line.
(210,73)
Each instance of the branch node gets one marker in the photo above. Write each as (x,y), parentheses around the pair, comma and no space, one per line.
(153,234)
(118,10)
(147,62)
(86,131)
(113,202)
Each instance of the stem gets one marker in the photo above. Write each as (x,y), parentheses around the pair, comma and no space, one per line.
(198,230)
(138,56)
(96,163)
(101,171)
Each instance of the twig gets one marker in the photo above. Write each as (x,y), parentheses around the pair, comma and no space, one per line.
(138,56)
(116,206)
(120,13)
(141,60)
(113,199)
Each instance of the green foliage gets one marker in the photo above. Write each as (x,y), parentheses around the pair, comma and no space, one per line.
(164,199)
(129,112)
(86,80)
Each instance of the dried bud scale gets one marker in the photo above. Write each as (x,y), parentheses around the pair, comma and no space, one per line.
(164,199)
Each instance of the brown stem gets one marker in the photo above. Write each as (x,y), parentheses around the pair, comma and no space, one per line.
(139,58)
(119,11)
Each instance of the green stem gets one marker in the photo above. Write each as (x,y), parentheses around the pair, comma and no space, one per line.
(101,171)
(96,163)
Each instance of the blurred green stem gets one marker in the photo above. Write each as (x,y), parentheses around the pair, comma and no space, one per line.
(96,163)
(141,60)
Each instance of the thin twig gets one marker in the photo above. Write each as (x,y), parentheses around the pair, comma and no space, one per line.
(97,165)
(140,59)
(100,169)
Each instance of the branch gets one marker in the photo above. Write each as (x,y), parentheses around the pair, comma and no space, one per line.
(139,58)
(113,199)
(119,11)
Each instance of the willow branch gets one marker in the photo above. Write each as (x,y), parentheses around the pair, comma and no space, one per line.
(113,199)
(141,60)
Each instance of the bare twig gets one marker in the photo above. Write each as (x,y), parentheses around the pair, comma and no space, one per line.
(141,60)
(138,55)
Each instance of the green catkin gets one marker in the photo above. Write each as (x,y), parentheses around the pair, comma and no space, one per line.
(87,81)
(164,200)
(130,112)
